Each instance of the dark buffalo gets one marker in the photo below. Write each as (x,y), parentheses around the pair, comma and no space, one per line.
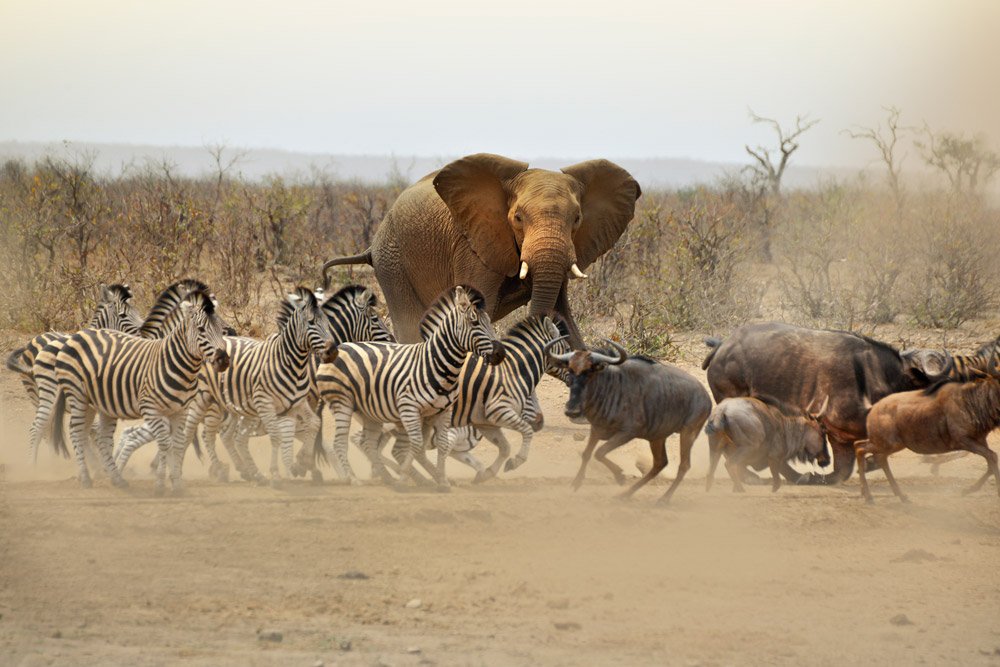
(627,397)
(803,366)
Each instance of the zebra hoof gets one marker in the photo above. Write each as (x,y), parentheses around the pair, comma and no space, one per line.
(224,474)
(512,464)
(484,476)
(86,483)
(356,482)
(276,483)
(298,470)
(317,477)
(120,483)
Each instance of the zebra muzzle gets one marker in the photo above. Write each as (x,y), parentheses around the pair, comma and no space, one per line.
(221,360)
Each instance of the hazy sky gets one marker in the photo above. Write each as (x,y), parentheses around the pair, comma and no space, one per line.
(575,79)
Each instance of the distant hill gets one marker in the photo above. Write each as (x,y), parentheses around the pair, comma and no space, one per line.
(255,164)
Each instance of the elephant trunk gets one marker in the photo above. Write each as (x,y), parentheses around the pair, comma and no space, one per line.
(548,269)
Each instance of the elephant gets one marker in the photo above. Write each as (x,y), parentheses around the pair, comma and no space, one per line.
(514,233)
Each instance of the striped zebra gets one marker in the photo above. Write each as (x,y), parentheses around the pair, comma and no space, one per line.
(44,368)
(114,311)
(491,398)
(268,380)
(118,376)
(351,316)
(970,367)
(409,384)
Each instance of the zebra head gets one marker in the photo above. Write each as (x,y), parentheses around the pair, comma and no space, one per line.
(115,310)
(204,329)
(309,325)
(558,334)
(162,315)
(467,323)
(352,316)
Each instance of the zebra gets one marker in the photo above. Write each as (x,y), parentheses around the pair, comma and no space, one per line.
(268,380)
(44,368)
(119,376)
(491,398)
(114,311)
(351,316)
(409,384)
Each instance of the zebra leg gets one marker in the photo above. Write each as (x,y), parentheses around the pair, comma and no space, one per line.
(496,436)
(470,460)
(200,410)
(238,440)
(132,438)
(105,442)
(309,423)
(413,423)
(342,426)
(442,441)
(527,432)
(80,417)
(373,438)
(42,423)
(282,433)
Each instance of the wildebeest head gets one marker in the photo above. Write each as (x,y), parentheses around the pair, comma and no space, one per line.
(814,443)
(582,366)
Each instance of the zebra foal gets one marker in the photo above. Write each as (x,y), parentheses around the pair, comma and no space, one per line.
(408,384)
(118,376)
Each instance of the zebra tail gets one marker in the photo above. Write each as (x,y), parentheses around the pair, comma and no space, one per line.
(196,442)
(319,453)
(15,362)
(58,431)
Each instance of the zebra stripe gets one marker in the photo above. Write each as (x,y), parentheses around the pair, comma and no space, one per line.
(268,380)
(119,376)
(114,311)
(164,315)
(409,384)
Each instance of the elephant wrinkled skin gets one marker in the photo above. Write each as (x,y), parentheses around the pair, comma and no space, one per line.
(516,234)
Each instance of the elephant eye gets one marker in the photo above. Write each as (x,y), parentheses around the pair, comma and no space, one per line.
(577,221)
(517,217)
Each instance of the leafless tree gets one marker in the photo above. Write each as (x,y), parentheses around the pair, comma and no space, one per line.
(886,141)
(787,145)
(968,163)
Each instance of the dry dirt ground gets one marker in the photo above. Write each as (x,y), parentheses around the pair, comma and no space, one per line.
(518,571)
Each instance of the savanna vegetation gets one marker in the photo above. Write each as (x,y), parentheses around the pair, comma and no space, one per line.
(848,254)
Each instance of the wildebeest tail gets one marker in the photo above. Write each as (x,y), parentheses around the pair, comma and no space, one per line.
(715,344)
(15,362)
(716,422)
(58,431)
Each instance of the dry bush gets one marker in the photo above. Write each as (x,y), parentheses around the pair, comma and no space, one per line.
(681,265)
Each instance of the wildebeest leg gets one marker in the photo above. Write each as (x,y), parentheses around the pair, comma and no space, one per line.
(775,466)
(861,448)
(791,474)
(714,454)
(587,451)
(736,466)
(981,448)
(613,443)
(659,450)
(882,458)
(688,434)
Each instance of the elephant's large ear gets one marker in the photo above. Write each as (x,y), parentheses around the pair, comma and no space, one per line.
(608,203)
(473,189)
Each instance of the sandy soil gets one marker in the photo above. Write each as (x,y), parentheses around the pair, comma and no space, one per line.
(518,571)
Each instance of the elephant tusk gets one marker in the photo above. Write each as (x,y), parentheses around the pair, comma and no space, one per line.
(575,270)
(524,270)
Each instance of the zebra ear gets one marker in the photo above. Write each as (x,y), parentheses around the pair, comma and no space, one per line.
(293,298)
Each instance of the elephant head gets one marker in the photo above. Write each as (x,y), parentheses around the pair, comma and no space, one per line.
(541,225)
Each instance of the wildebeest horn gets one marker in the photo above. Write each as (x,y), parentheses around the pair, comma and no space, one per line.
(561,358)
(822,409)
(605,359)
(949,364)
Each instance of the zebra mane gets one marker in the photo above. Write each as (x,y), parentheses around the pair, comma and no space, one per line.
(288,305)
(201,299)
(523,328)
(353,293)
(443,305)
(119,292)
(165,305)
(987,349)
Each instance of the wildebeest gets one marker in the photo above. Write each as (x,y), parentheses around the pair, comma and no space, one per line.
(802,366)
(760,431)
(625,397)
(945,417)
